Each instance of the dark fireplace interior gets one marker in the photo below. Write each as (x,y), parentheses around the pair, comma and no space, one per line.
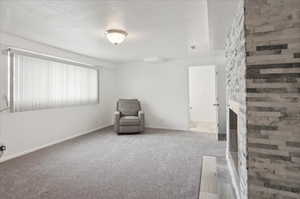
(233,138)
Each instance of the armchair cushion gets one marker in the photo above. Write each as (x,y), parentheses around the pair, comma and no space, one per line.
(128,107)
(129,120)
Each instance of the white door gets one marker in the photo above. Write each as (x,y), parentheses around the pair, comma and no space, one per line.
(203,103)
(1,150)
(3,91)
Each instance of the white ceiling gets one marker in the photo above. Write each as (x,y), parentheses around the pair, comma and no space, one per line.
(220,17)
(157,28)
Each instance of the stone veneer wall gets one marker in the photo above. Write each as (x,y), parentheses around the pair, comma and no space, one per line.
(266,84)
(273,98)
(236,92)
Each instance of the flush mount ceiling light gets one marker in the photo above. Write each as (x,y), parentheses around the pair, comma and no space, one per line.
(116,36)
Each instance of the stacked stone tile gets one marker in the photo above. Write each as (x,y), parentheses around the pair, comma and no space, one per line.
(236,92)
(272,104)
(273,98)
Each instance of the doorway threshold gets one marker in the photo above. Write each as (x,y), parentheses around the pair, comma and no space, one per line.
(203,127)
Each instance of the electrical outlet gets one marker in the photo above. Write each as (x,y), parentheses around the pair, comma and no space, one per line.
(2,148)
(6,100)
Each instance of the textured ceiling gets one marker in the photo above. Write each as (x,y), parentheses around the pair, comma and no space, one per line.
(157,28)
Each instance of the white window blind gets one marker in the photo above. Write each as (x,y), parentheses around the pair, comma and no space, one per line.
(39,83)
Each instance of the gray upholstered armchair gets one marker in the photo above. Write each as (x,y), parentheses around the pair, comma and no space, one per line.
(128,118)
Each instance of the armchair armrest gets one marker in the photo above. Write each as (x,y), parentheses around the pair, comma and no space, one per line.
(141,115)
(117,116)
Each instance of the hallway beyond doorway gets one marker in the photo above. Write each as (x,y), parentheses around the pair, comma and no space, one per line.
(203,127)
(203,99)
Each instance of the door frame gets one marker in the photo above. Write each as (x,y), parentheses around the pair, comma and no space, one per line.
(216,94)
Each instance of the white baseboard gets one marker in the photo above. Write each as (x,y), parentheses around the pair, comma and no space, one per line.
(9,157)
(165,128)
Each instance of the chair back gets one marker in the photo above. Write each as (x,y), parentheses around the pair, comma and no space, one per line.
(128,107)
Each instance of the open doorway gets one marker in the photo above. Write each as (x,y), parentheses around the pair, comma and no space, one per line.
(203,103)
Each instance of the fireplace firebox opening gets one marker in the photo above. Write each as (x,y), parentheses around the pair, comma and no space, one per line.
(233,139)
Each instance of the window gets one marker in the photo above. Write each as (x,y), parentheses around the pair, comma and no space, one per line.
(41,82)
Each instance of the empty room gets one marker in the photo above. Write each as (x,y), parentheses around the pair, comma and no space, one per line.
(149,99)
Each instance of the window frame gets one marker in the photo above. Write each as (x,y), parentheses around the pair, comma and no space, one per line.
(12,52)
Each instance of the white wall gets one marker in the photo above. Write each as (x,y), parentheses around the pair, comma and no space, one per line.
(221,94)
(26,131)
(220,23)
(202,93)
(162,89)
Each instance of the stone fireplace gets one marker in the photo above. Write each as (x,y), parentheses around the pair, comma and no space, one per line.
(262,85)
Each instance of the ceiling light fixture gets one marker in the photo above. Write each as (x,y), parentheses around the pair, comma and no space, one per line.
(116,36)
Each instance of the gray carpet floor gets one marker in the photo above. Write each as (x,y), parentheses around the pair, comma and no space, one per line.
(158,164)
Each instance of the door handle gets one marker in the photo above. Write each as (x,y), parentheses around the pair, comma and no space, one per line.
(216,104)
